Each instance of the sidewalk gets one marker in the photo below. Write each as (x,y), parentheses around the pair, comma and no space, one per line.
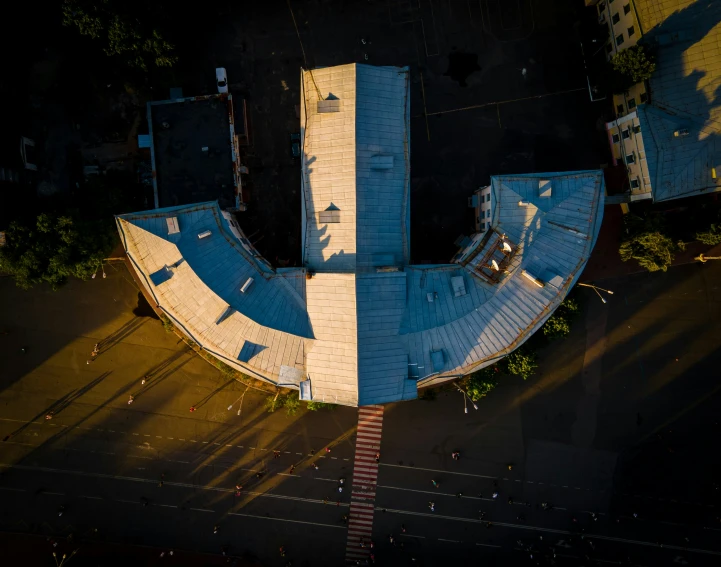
(605,261)
(26,549)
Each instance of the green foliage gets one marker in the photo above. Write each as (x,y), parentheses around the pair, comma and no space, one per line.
(479,384)
(52,248)
(167,324)
(636,63)
(559,324)
(318,406)
(646,242)
(521,362)
(291,403)
(125,28)
(712,236)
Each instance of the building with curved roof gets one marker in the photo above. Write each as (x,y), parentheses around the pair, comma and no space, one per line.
(358,325)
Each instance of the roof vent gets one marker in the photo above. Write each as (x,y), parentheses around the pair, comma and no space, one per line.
(459,286)
(523,203)
(332,105)
(438,360)
(530,277)
(680,133)
(544,188)
(381,162)
(204,234)
(432,296)
(330,216)
(246,285)
(173,225)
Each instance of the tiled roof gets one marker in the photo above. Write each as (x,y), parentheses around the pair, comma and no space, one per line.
(685,96)
(355,155)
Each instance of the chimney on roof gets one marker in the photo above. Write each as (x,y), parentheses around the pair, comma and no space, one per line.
(544,187)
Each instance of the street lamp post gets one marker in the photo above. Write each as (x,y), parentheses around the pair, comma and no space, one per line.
(596,289)
(465,401)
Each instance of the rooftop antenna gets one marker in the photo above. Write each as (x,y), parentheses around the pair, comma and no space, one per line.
(507,247)
(494,265)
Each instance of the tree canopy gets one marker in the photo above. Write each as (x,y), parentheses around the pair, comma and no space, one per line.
(559,324)
(126,30)
(645,241)
(636,63)
(52,248)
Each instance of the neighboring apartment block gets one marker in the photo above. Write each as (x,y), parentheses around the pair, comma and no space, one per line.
(624,31)
(670,138)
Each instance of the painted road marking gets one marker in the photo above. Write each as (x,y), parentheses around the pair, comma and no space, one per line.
(365,472)
(488,545)
(285,520)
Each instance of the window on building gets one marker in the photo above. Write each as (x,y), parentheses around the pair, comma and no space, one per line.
(626,8)
(635,184)
(625,134)
(631,103)
(488,214)
(630,158)
(483,226)
(488,198)
(630,31)
(636,128)
(619,109)
(619,39)
(643,97)
(615,138)
(601,7)
(616,18)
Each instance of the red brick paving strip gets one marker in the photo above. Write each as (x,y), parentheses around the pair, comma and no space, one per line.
(363,488)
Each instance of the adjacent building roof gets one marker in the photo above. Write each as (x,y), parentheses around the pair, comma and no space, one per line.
(194,151)
(682,125)
(359,325)
(355,137)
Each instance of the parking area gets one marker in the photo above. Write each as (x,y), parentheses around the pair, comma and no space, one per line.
(498,88)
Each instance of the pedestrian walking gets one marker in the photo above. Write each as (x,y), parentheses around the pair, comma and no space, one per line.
(341,480)
(49,415)
(510,466)
(327,449)
(145,501)
(495,495)
(403,528)
(435,484)
(315,466)
(259,474)
(391,539)
(432,506)
(456,455)
(344,519)
(238,488)
(276,454)
(162,479)
(61,510)
(216,527)
(510,500)
(292,468)
(282,551)
(370,544)
(131,399)
(340,489)
(378,457)
(362,543)
(96,348)
(459,495)
(142,382)
(192,409)
(88,361)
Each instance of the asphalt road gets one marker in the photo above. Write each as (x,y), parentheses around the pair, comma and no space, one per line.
(612,425)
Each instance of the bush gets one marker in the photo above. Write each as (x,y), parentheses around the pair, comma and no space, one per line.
(712,236)
(559,324)
(167,324)
(521,362)
(481,383)
(291,403)
(646,242)
(317,406)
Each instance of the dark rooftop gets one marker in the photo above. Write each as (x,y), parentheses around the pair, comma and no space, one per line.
(185,172)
